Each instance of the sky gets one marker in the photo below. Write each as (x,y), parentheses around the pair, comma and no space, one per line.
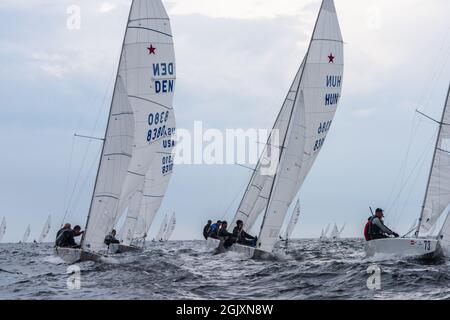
(235,62)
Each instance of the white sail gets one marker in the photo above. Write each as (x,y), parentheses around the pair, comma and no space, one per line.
(149,71)
(170,228)
(141,114)
(162,229)
(323,235)
(257,192)
(155,186)
(437,194)
(313,107)
(293,221)
(127,230)
(342,229)
(2,228)
(334,232)
(26,234)
(45,229)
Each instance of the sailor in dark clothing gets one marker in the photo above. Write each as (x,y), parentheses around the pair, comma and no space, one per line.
(228,238)
(67,237)
(214,230)
(66,226)
(206,229)
(242,236)
(111,238)
(376,228)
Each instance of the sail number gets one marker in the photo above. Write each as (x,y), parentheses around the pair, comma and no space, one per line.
(319,144)
(167,164)
(324,127)
(157,119)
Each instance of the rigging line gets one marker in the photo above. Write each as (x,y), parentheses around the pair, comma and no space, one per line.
(66,189)
(234,200)
(419,163)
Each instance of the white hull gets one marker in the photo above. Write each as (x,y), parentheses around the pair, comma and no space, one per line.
(411,247)
(120,248)
(245,250)
(71,255)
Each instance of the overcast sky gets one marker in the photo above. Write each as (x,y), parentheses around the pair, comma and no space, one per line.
(235,62)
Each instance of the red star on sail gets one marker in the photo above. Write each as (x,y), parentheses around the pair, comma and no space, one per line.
(331,58)
(151,49)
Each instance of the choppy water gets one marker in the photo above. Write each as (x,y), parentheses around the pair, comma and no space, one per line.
(188,270)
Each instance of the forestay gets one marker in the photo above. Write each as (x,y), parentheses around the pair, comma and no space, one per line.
(314,104)
(437,194)
(45,229)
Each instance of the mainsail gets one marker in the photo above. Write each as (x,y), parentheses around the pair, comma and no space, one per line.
(45,229)
(149,70)
(162,229)
(437,194)
(140,117)
(323,235)
(334,232)
(2,228)
(293,221)
(26,234)
(170,228)
(313,105)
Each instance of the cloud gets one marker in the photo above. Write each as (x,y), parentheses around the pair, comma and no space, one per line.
(106,7)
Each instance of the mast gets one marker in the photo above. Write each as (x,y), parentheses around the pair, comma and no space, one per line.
(289,127)
(107,127)
(441,123)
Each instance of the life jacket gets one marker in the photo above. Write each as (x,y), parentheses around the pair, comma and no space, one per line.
(373,228)
(213,229)
(366,229)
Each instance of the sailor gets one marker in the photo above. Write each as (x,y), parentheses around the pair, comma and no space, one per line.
(66,226)
(377,229)
(242,236)
(206,229)
(228,237)
(111,238)
(66,238)
(214,230)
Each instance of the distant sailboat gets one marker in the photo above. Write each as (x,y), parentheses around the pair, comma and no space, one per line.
(45,229)
(335,232)
(162,229)
(26,235)
(436,203)
(170,228)
(298,134)
(292,223)
(323,235)
(140,120)
(2,228)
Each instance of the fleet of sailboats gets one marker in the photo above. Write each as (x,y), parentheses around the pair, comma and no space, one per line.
(136,162)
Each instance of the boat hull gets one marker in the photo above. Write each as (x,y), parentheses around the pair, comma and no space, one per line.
(71,255)
(411,247)
(121,248)
(217,245)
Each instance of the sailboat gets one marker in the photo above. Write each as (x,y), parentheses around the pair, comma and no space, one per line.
(292,223)
(26,235)
(45,229)
(323,235)
(298,134)
(162,229)
(2,228)
(140,120)
(335,232)
(170,228)
(436,204)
